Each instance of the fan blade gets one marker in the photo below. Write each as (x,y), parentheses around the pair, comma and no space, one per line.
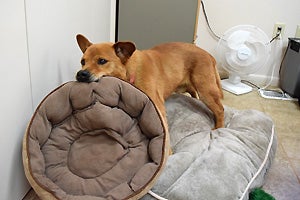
(237,38)
(254,58)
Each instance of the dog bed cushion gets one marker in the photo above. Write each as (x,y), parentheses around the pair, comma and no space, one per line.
(94,141)
(208,164)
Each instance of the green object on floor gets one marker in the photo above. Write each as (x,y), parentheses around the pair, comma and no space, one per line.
(259,194)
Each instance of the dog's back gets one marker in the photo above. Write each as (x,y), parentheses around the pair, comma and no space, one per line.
(177,63)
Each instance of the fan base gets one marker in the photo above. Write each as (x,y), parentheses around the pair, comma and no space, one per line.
(235,88)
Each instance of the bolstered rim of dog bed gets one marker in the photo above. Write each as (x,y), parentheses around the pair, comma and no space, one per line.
(99,140)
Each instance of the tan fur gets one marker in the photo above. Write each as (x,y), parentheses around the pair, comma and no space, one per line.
(159,71)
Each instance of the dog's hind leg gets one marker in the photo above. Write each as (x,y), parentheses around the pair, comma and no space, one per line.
(215,105)
(211,95)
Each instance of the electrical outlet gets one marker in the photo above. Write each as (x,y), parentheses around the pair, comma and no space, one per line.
(297,34)
(276,26)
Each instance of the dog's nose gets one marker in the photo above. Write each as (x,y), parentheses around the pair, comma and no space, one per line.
(83,76)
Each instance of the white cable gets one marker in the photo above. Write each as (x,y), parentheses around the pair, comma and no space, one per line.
(262,165)
(156,195)
(277,54)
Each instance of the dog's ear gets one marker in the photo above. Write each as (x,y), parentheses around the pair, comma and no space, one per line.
(124,50)
(83,42)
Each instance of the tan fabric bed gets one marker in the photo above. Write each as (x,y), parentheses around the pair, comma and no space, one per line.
(94,141)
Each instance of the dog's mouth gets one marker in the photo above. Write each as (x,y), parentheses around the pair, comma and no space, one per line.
(86,76)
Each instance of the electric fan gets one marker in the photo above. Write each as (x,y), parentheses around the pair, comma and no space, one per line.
(242,50)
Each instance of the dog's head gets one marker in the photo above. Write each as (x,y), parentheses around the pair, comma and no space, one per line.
(103,59)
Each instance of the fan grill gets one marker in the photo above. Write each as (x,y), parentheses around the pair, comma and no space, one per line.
(242,50)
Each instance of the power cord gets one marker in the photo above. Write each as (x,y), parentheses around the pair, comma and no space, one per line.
(207,21)
(250,84)
(277,34)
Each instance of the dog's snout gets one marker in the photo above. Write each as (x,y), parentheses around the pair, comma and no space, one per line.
(83,76)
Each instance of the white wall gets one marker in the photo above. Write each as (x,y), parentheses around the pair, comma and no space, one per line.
(16,101)
(264,14)
(52,27)
(38,52)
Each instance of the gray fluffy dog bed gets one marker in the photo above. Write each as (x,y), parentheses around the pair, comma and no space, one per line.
(222,164)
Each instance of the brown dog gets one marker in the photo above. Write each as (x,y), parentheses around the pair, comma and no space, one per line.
(160,71)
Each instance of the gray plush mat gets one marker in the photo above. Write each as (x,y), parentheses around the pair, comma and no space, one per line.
(214,164)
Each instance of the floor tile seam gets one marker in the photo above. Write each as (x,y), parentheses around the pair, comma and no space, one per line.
(281,146)
(294,170)
(291,163)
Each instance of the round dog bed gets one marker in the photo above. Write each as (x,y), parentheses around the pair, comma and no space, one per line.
(226,163)
(95,141)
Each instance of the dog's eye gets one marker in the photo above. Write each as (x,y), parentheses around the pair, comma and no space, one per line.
(101,61)
(82,62)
